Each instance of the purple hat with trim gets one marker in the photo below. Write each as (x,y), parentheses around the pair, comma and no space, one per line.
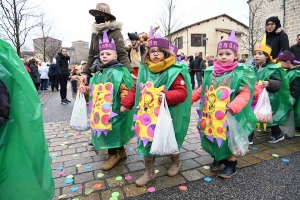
(229,44)
(173,48)
(105,44)
(158,41)
(292,59)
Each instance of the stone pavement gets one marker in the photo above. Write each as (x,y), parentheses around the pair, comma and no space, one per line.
(45,95)
(73,158)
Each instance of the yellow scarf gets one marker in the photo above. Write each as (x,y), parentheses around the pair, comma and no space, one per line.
(162,65)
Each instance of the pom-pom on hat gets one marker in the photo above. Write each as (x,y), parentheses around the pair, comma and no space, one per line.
(229,44)
(173,48)
(105,44)
(158,41)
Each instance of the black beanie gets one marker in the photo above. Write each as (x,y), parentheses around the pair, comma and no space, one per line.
(275,20)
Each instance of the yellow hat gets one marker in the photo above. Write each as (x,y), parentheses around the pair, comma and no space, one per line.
(263,47)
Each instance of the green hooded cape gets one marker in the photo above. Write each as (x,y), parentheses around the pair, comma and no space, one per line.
(236,80)
(279,100)
(121,131)
(25,170)
(291,75)
(180,113)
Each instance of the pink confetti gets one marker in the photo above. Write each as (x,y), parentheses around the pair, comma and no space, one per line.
(61,173)
(197,135)
(151,189)
(80,187)
(128,177)
(77,137)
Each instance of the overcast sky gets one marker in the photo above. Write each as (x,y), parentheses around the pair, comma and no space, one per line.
(73,22)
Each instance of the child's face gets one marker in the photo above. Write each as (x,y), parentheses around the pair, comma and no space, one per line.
(156,55)
(107,55)
(286,64)
(260,57)
(226,56)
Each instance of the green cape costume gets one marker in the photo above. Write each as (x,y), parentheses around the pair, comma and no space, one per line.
(236,80)
(291,75)
(279,100)
(121,131)
(180,113)
(25,170)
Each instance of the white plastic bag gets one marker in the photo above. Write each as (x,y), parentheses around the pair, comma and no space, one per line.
(263,110)
(288,128)
(164,141)
(79,120)
(238,139)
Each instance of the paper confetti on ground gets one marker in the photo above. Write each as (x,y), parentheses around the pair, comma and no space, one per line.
(80,187)
(285,160)
(131,149)
(128,177)
(54,154)
(115,194)
(75,155)
(62,196)
(70,176)
(78,165)
(207,179)
(206,167)
(156,171)
(141,156)
(118,178)
(275,155)
(88,191)
(151,189)
(53,157)
(74,189)
(66,136)
(88,167)
(69,180)
(61,173)
(255,148)
(197,135)
(70,146)
(113,198)
(62,144)
(97,186)
(60,168)
(183,188)
(199,150)
(100,175)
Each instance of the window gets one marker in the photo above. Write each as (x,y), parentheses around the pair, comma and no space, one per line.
(197,40)
(179,42)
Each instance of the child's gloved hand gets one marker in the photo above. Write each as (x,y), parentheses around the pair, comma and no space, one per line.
(160,95)
(123,109)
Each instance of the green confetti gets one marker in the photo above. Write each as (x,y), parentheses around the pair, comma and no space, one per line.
(113,198)
(74,155)
(62,144)
(88,191)
(156,171)
(206,167)
(100,175)
(115,194)
(118,178)
(275,155)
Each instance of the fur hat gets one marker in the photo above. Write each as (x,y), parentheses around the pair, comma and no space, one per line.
(133,36)
(102,8)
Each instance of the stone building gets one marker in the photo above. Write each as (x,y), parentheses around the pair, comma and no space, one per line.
(49,45)
(78,52)
(288,11)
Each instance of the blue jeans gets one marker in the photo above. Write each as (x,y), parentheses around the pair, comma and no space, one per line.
(199,78)
(44,83)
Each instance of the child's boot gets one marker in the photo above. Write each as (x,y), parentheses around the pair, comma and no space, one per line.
(229,170)
(122,153)
(149,174)
(215,166)
(111,162)
(176,165)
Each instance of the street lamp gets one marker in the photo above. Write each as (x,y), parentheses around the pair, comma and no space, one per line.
(205,39)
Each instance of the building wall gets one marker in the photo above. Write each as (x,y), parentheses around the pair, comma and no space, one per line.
(81,51)
(52,47)
(214,37)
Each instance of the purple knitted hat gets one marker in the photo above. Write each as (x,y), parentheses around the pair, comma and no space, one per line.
(229,44)
(106,45)
(158,41)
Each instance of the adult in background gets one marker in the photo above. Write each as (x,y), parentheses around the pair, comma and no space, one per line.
(53,76)
(106,22)
(63,73)
(43,70)
(244,58)
(276,38)
(295,49)
(136,52)
(35,74)
(197,69)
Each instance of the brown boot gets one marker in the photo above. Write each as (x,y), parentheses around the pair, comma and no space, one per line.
(111,162)
(122,153)
(176,165)
(149,174)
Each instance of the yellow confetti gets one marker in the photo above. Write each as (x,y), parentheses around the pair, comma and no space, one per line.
(156,171)
(78,165)
(70,146)
(54,154)
(100,175)
(66,142)
(62,196)
(62,144)
(70,176)
(206,167)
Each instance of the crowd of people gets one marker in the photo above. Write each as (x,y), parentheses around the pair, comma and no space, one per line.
(126,88)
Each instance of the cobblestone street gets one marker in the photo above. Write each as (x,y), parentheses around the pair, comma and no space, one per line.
(75,161)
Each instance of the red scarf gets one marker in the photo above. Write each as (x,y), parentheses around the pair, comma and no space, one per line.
(221,69)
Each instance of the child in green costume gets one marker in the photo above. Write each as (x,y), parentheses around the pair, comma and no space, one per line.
(227,87)
(159,73)
(111,129)
(292,66)
(274,79)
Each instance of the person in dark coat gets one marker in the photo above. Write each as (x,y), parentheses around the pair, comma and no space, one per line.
(63,73)
(4,104)
(295,49)
(276,37)
(35,74)
(135,53)
(53,76)
(197,69)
